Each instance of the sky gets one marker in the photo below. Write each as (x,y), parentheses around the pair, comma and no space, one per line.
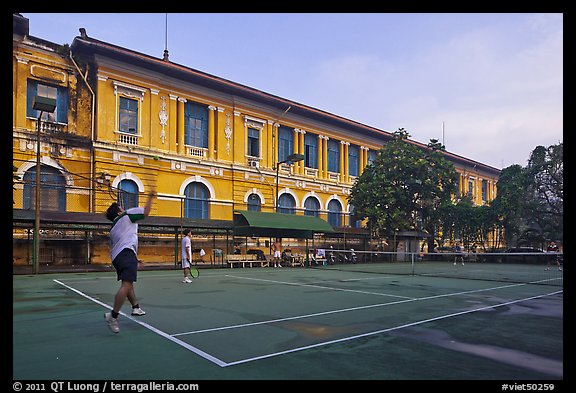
(487,85)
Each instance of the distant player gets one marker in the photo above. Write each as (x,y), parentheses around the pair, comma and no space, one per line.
(186,255)
(124,255)
(277,249)
(459,257)
(552,247)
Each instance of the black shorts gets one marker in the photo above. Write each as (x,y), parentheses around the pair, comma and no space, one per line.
(126,265)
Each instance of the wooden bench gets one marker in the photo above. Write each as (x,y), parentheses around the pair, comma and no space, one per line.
(243,260)
(296,260)
(319,260)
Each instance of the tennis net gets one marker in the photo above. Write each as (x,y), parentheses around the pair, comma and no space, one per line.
(533,268)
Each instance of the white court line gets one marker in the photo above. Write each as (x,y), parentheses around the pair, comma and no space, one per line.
(152,328)
(221,363)
(318,286)
(407,300)
(112,276)
(384,330)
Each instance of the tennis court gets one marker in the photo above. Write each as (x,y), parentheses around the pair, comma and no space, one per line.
(295,323)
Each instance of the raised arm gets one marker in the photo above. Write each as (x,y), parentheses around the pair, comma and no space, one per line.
(148,205)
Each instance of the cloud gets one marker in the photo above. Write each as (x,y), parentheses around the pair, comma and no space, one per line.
(497,88)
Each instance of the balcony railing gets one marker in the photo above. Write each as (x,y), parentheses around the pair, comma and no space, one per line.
(52,127)
(127,139)
(198,152)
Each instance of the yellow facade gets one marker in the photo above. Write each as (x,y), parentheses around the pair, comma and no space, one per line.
(65,145)
(95,155)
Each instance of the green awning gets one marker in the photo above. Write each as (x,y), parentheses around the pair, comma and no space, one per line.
(261,224)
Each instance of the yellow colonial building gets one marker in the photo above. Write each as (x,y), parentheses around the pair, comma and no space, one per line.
(128,123)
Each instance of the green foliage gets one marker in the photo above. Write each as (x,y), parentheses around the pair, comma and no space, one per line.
(528,209)
(404,186)
(469,223)
(530,200)
(408,187)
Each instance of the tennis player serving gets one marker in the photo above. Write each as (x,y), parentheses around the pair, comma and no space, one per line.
(124,255)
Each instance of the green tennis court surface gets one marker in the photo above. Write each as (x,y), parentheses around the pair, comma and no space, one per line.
(289,323)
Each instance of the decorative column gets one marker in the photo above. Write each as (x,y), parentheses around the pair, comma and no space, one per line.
(325,153)
(219,130)
(363,155)
(22,71)
(302,151)
(238,139)
(172,124)
(320,157)
(296,165)
(211,138)
(346,175)
(180,126)
(275,144)
(269,156)
(342,161)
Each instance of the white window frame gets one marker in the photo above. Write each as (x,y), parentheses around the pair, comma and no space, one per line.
(133,92)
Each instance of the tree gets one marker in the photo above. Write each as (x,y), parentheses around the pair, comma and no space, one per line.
(545,199)
(530,200)
(404,186)
(509,203)
(473,225)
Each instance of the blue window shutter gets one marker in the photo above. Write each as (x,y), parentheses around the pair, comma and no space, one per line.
(334,213)
(311,150)
(196,125)
(333,156)
(62,106)
(187,126)
(353,160)
(31,93)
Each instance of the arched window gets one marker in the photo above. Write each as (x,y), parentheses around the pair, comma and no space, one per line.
(196,204)
(128,194)
(286,204)
(311,207)
(254,202)
(52,189)
(334,210)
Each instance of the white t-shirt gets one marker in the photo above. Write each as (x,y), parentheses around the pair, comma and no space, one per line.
(186,246)
(124,232)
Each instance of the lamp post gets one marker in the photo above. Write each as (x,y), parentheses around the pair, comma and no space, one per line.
(291,159)
(42,104)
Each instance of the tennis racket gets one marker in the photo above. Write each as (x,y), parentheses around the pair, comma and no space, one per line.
(194,272)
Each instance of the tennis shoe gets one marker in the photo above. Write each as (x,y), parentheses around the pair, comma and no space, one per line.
(138,312)
(112,322)
(187,280)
